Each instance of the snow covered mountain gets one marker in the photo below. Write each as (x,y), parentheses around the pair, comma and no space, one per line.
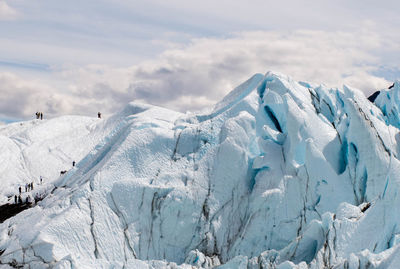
(279,174)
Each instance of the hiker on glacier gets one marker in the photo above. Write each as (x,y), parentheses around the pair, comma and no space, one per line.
(37,198)
(15,199)
(73,163)
(20,190)
(99,115)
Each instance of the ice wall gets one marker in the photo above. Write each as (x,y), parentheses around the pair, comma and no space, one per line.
(280,174)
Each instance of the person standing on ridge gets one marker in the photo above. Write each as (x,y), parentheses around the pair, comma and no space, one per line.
(20,190)
(99,115)
(73,163)
(41,115)
(15,199)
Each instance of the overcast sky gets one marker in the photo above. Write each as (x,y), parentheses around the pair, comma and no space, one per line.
(80,57)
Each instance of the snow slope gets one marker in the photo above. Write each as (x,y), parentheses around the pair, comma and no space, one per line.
(44,148)
(280,174)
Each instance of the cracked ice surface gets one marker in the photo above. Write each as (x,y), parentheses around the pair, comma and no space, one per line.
(280,174)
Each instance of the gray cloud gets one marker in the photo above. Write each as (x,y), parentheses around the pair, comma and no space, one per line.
(209,68)
(200,74)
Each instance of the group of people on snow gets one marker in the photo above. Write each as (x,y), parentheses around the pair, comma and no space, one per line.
(39,115)
(62,172)
(28,188)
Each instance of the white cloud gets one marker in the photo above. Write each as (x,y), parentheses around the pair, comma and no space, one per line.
(210,68)
(7,12)
(200,74)
(21,98)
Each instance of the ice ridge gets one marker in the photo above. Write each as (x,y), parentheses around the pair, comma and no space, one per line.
(280,174)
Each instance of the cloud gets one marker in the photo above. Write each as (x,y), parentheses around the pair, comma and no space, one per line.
(201,73)
(209,68)
(7,12)
(21,98)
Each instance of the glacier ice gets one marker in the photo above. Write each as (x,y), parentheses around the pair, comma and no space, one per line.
(279,174)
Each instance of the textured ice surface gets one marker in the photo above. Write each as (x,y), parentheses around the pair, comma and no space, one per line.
(280,174)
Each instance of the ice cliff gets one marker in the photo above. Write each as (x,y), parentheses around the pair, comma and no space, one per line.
(279,174)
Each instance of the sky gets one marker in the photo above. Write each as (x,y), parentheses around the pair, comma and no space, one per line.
(81,57)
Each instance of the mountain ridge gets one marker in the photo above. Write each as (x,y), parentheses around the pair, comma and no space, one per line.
(268,178)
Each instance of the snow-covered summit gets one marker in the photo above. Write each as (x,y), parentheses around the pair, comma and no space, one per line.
(279,174)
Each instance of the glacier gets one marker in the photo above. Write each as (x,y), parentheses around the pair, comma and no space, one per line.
(279,174)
